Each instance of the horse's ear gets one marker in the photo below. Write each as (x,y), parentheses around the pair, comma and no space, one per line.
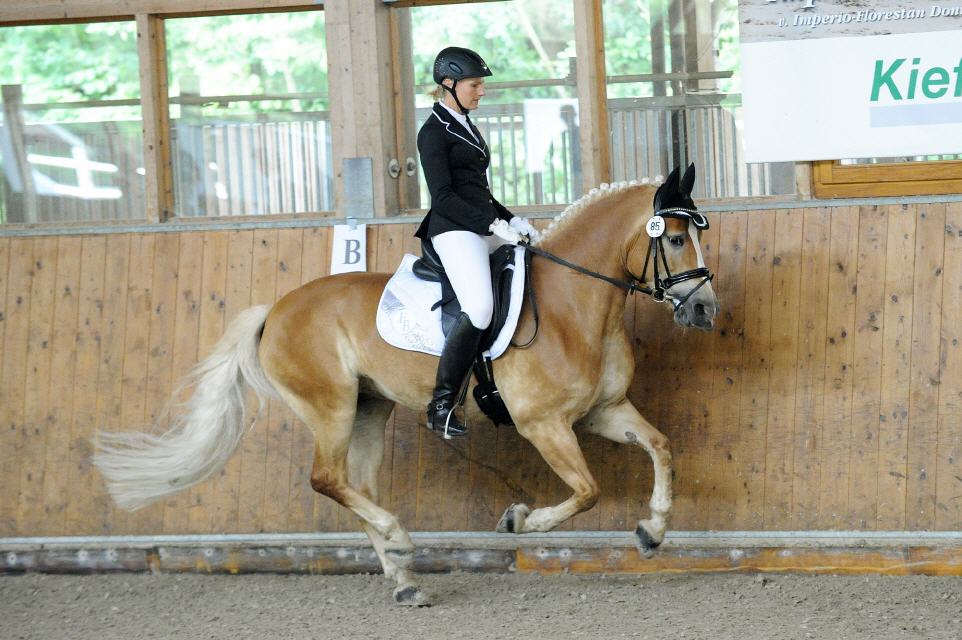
(667,188)
(688,182)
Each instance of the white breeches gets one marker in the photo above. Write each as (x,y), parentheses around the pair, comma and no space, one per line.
(464,255)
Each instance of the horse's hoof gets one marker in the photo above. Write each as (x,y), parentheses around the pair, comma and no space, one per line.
(411,596)
(513,519)
(646,543)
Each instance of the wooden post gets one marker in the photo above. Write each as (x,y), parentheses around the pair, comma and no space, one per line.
(592,94)
(360,86)
(20,196)
(404,105)
(152,50)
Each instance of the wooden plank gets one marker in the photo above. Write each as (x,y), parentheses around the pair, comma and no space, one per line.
(810,380)
(300,516)
(926,368)
(698,390)
(749,451)
(190,256)
(16,323)
(948,514)
(896,367)
(159,176)
(867,376)
(205,496)
(61,376)
(839,361)
(280,428)
(254,446)
(110,376)
(728,365)
(160,318)
(43,273)
(226,484)
(87,502)
(780,435)
(133,411)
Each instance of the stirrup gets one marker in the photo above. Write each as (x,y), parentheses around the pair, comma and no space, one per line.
(447,432)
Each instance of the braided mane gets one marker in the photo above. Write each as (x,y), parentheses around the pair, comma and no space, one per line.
(572,210)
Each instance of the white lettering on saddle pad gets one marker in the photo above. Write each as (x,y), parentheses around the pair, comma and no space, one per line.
(405,319)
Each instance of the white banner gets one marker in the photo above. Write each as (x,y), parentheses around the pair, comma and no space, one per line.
(838,81)
(349,249)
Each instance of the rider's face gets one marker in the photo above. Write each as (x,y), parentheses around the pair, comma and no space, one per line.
(470,91)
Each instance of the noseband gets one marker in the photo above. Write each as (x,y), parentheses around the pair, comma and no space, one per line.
(656,256)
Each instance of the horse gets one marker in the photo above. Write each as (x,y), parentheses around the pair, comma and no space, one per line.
(318,349)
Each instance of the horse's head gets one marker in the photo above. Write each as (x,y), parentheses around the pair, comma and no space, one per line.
(674,269)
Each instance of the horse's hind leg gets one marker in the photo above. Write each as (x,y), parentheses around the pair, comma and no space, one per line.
(363,462)
(622,423)
(331,413)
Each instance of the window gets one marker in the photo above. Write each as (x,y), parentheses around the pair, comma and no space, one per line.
(864,177)
(249,116)
(674,96)
(70,138)
(529,116)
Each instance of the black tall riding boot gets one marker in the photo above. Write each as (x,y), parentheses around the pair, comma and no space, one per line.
(459,350)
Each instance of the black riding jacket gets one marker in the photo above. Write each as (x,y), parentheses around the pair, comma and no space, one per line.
(455,166)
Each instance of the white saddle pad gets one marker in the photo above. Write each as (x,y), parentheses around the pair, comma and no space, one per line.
(405,319)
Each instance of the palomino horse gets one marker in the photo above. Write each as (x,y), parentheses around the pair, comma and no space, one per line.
(343,381)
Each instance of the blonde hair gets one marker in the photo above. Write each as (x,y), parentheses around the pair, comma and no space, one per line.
(437,93)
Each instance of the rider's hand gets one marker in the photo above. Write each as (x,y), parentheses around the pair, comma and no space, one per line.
(503,230)
(525,228)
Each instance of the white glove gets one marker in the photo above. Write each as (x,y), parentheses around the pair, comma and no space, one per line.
(525,228)
(503,230)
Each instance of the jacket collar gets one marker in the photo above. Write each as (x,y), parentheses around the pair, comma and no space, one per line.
(455,128)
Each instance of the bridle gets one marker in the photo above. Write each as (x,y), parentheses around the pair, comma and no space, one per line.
(656,250)
(662,285)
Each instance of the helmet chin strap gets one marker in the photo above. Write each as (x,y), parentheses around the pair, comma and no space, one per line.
(454,95)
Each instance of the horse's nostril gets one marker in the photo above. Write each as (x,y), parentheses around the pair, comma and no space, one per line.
(699,309)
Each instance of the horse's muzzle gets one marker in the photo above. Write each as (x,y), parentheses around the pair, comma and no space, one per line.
(698,311)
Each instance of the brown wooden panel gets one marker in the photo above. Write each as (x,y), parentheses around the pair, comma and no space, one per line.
(62,373)
(926,367)
(224,487)
(254,447)
(749,454)
(110,372)
(190,264)
(136,354)
(281,427)
(728,361)
(780,433)
(839,355)
(43,272)
(867,376)
(88,505)
(896,367)
(810,376)
(948,504)
(16,322)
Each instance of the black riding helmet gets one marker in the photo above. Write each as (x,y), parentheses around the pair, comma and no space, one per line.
(458,63)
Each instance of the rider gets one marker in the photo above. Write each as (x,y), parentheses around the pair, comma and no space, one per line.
(463,216)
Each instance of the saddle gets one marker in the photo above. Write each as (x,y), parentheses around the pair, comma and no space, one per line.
(429,268)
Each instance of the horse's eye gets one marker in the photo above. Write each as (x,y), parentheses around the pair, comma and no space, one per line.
(677,241)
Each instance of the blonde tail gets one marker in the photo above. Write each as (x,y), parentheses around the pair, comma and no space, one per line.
(140,467)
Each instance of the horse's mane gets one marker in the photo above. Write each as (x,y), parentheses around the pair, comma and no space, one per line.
(603,191)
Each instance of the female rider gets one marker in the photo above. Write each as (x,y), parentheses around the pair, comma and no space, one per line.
(463,216)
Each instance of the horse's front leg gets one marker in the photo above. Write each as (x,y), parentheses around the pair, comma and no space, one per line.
(558,445)
(622,423)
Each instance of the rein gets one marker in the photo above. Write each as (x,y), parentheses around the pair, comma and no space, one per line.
(659,292)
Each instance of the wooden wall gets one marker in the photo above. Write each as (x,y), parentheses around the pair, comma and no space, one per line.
(828,397)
